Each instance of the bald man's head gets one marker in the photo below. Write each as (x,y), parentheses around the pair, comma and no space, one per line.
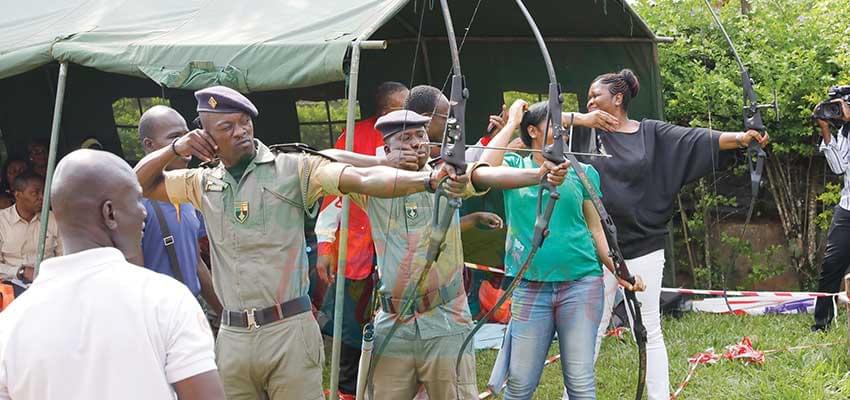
(96,199)
(158,127)
(431,102)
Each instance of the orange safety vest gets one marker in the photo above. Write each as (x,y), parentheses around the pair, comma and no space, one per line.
(7,294)
(488,296)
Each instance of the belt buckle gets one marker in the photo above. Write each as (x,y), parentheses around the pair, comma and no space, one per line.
(252,322)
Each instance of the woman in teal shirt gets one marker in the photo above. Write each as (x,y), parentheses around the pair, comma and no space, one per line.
(562,290)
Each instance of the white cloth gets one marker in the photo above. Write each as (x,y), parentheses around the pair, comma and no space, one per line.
(837,154)
(93,326)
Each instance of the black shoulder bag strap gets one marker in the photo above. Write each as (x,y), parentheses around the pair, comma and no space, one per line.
(168,241)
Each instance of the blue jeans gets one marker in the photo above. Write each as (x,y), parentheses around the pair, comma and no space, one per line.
(573,309)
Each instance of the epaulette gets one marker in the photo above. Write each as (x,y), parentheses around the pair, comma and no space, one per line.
(298,148)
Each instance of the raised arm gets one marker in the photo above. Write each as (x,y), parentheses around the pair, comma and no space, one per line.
(502,138)
(149,170)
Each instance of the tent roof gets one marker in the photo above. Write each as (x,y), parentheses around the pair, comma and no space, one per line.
(248,45)
(261,45)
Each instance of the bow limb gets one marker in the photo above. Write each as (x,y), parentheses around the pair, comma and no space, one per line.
(752,117)
(453,153)
(555,153)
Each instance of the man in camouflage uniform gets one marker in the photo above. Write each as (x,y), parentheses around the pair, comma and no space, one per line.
(424,348)
(254,201)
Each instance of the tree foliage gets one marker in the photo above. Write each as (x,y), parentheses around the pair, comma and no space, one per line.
(796,49)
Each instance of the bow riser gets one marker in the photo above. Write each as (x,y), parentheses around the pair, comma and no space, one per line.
(454,142)
(752,112)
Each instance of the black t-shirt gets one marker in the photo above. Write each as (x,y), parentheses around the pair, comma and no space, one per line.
(646,171)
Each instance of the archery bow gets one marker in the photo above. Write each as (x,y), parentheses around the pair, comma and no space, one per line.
(752,121)
(556,154)
(452,152)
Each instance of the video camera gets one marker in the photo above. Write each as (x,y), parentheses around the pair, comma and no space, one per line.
(831,111)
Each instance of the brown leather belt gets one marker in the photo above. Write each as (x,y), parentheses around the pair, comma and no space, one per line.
(426,302)
(255,318)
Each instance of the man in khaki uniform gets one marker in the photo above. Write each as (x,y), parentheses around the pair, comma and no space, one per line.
(424,348)
(253,202)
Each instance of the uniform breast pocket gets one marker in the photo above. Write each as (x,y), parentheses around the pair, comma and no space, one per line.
(280,212)
(415,216)
(213,212)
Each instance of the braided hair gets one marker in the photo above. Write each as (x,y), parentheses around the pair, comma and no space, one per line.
(625,82)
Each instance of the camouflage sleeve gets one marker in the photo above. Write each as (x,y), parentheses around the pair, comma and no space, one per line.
(185,186)
(323,179)
(470,188)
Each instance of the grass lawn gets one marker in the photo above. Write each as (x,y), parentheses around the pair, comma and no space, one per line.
(820,373)
(811,374)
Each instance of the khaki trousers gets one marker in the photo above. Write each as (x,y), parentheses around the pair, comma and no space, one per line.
(406,364)
(278,361)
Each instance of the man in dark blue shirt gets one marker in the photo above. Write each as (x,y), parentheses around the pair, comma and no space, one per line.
(158,127)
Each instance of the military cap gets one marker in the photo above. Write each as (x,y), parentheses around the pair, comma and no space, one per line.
(222,99)
(400,120)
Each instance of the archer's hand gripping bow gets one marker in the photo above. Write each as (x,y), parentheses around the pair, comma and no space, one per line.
(453,153)
(555,153)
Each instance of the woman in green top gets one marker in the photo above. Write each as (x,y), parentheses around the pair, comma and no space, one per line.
(562,290)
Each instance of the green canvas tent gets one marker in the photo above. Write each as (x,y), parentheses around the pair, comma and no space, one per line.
(282,51)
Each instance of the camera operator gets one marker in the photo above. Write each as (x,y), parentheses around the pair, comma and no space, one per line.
(836,149)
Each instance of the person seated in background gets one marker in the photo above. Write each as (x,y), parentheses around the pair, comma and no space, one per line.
(6,200)
(12,168)
(93,325)
(19,229)
(37,153)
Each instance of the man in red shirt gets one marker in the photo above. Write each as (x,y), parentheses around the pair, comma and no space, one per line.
(360,261)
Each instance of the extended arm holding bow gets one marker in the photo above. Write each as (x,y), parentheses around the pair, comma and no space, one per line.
(555,153)
(452,152)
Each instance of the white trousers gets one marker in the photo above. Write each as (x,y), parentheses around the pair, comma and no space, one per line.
(650,268)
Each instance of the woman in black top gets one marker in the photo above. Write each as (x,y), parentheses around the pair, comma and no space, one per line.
(651,161)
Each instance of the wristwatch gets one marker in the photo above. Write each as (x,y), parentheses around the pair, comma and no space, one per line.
(20,273)
(427,182)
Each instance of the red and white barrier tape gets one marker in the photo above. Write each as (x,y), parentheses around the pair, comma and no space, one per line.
(741,351)
(484,268)
(706,357)
(777,294)
(751,293)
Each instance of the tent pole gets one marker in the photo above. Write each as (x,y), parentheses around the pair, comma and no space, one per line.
(339,297)
(51,161)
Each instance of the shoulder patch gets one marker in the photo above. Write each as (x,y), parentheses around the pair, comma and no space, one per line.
(298,148)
